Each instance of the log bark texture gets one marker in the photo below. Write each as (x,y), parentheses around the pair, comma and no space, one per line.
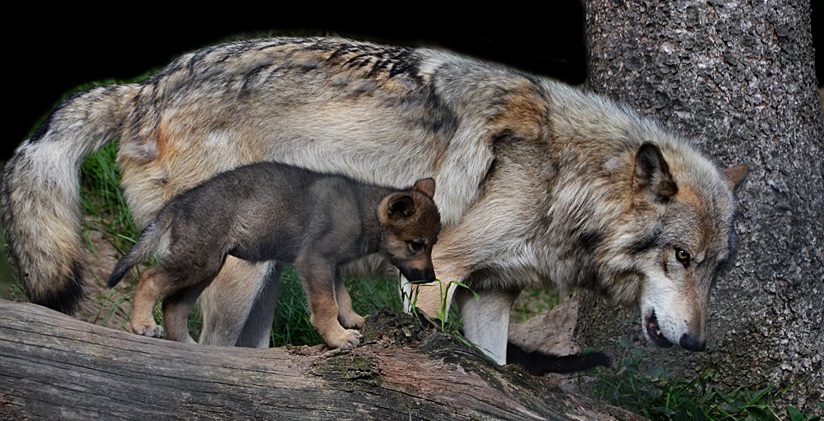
(56,367)
(737,77)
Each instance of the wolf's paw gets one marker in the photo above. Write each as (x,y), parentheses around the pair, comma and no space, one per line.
(352,321)
(152,331)
(349,339)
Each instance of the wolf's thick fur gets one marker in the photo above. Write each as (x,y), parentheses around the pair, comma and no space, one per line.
(270,212)
(538,182)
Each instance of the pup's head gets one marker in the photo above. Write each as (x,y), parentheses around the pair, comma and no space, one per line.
(689,209)
(410,224)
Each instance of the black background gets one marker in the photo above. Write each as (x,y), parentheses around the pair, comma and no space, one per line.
(47,57)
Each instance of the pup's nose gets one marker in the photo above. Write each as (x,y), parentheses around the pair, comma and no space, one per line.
(691,343)
(417,276)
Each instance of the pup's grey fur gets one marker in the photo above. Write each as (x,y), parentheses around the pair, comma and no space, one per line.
(538,183)
(274,212)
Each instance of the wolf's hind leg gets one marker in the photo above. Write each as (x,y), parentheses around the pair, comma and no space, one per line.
(258,328)
(226,306)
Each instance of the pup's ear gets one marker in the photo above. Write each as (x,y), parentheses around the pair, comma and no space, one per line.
(652,174)
(400,206)
(735,175)
(425,186)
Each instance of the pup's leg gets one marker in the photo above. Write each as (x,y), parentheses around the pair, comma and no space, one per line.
(226,306)
(258,328)
(346,314)
(154,284)
(318,278)
(192,272)
(176,309)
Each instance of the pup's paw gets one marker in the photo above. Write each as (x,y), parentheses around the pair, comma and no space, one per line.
(349,339)
(152,331)
(352,320)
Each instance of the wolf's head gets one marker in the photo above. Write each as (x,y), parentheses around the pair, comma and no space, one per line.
(685,206)
(410,223)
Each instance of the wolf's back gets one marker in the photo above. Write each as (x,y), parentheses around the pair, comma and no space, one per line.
(41,192)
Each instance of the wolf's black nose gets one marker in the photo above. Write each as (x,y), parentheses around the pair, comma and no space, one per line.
(690,343)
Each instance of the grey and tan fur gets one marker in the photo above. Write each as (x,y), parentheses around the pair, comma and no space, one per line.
(538,183)
(270,212)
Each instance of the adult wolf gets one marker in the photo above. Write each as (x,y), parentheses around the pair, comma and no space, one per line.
(538,183)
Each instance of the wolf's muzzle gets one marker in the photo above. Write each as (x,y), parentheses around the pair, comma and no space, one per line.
(690,343)
(654,332)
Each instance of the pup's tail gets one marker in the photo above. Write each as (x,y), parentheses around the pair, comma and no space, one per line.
(149,242)
(41,192)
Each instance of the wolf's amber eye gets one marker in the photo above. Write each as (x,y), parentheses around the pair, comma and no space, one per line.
(682,256)
(415,246)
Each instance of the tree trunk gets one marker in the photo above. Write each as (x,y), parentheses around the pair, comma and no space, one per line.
(738,78)
(54,366)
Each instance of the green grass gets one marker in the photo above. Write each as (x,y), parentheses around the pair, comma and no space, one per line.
(8,287)
(655,395)
(534,301)
(102,198)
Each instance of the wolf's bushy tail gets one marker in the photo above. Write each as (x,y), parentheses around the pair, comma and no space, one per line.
(41,194)
(148,243)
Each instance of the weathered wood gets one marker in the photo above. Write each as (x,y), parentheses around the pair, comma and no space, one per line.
(56,367)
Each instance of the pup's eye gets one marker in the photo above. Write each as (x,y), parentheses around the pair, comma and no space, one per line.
(415,246)
(682,256)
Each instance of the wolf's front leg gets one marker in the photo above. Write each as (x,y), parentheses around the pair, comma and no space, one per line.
(318,278)
(486,320)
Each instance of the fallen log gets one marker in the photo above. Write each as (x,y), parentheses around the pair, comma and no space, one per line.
(53,366)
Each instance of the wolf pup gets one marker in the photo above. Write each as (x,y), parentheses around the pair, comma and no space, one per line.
(539,183)
(270,211)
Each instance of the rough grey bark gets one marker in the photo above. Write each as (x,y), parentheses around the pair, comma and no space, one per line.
(53,366)
(738,77)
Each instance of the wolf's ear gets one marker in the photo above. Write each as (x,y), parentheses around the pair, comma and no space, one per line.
(735,175)
(652,174)
(425,186)
(401,206)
